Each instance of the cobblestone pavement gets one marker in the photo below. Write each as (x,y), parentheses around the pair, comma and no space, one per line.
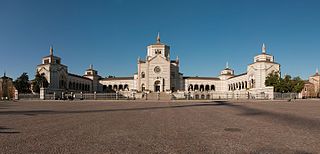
(160,127)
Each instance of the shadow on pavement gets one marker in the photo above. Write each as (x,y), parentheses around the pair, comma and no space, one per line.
(36,112)
(6,130)
(281,118)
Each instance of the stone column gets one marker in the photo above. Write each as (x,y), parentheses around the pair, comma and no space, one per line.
(42,93)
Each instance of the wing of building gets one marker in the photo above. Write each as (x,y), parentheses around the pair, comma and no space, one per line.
(312,87)
(159,73)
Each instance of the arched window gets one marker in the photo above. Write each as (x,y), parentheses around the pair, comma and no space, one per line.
(115,87)
(196,96)
(196,87)
(190,87)
(213,88)
(203,96)
(143,88)
(208,96)
(120,87)
(143,75)
(201,87)
(207,88)
(126,87)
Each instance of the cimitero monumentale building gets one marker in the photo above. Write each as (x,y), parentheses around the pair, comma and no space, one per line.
(158,73)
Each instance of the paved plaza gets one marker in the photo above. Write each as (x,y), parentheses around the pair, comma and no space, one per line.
(160,127)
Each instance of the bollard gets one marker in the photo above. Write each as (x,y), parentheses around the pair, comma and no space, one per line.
(62,95)
(16,94)
(95,95)
(146,96)
(134,95)
(117,97)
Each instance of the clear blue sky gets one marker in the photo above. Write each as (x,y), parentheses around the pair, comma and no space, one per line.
(112,34)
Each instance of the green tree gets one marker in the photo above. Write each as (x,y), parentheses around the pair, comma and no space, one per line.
(286,84)
(38,82)
(273,79)
(22,83)
(298,84)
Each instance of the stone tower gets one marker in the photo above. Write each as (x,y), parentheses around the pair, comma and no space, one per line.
(263,64)
(55,73)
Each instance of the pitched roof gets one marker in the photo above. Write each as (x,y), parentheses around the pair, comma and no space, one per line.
(78,76)
(239,75)
(119,78)
(201,78)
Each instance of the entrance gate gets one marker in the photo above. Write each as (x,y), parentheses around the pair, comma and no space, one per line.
(157,86)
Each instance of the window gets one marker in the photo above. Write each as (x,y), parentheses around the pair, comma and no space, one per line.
(157,51)
(142,75)
(46,61)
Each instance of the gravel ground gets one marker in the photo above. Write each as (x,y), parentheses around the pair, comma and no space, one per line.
(160,127)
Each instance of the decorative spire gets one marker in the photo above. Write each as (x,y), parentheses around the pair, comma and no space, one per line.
(158,38)
(51,50)
(91,66)
(227,65)
(4,74)
(317,71)
(264,48)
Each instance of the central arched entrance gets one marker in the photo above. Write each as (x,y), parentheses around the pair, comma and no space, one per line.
(157,86)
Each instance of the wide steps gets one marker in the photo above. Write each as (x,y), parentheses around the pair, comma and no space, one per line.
(163,96)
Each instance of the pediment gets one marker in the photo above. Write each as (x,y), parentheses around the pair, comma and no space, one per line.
(42,69)
(158,57)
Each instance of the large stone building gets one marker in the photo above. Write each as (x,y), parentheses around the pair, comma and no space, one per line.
(312,86)
(60,79)
(158,73)
(7,88)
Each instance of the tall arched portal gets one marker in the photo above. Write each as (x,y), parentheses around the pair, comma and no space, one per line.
(157,86)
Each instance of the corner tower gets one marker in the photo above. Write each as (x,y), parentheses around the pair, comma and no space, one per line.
(263,64)
(93,75)
(55,73)
(226,73)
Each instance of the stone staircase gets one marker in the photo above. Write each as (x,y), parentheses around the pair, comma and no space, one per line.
(163,96)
